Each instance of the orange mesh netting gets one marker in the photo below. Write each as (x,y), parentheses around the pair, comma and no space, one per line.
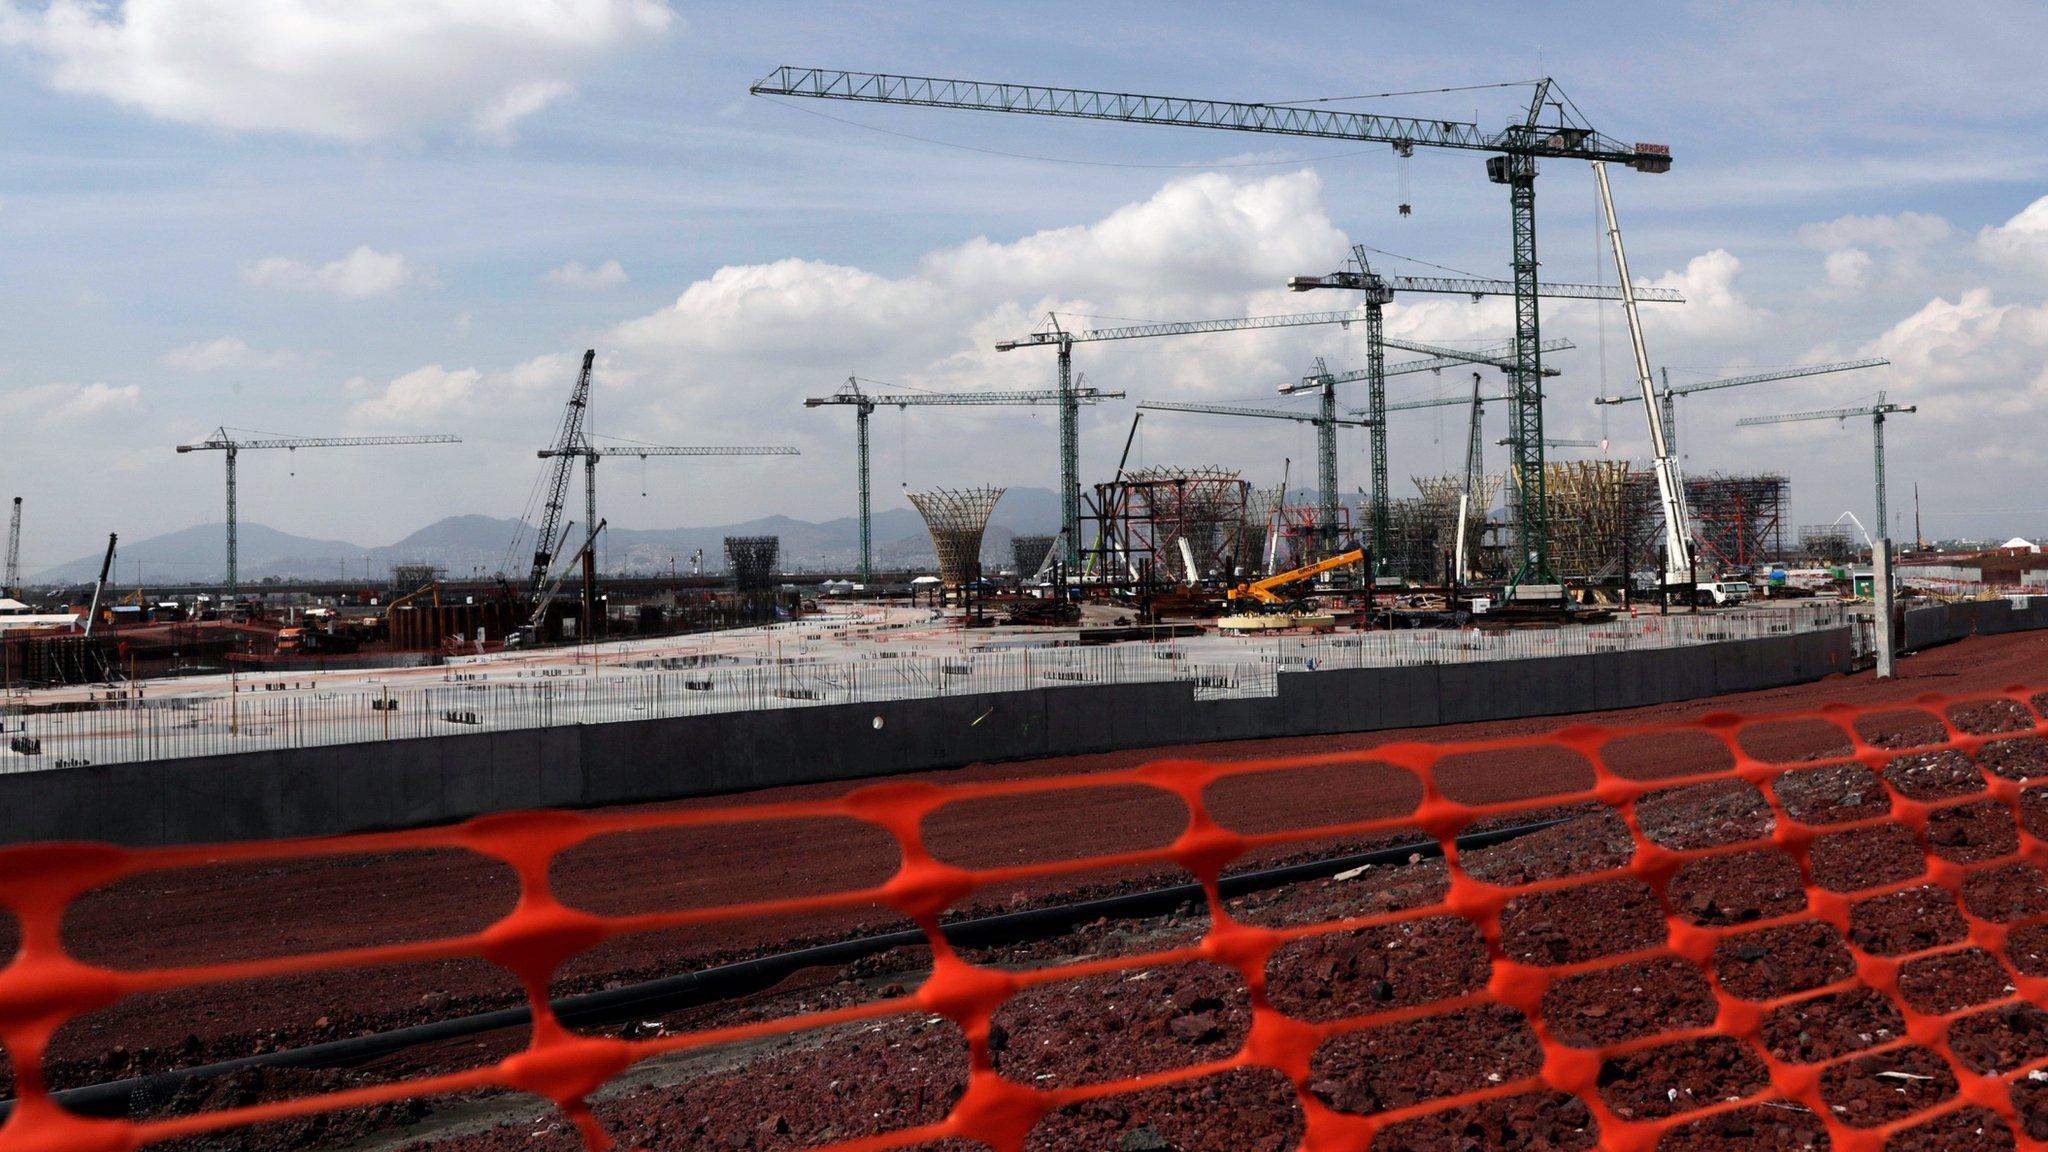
(1812,904)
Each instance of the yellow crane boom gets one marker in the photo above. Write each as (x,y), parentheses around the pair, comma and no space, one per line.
(1265,591)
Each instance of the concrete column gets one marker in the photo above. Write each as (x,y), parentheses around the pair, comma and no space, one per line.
(1881,595)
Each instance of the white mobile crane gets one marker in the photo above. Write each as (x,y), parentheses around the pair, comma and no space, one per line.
(1678,542)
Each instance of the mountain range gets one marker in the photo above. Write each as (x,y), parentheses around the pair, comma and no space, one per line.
(467,545)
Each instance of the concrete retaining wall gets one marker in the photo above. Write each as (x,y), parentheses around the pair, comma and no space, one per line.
(359,787)
(1941,623)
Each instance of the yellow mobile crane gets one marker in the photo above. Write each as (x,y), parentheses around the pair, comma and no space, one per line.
(1264,607)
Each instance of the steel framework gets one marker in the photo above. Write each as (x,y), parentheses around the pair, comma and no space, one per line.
(1177,516)
(1829,543)
(1589,508)
(957,518)
(1029,553)
(1739,520)
(751,560)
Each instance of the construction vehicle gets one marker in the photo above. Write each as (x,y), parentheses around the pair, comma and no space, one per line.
(1263,606)
(529,632)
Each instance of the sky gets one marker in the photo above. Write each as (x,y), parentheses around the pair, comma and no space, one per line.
(388,217)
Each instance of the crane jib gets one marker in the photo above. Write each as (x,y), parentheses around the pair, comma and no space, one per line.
(1138,108)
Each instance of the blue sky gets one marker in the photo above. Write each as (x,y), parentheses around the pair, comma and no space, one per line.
(370,217)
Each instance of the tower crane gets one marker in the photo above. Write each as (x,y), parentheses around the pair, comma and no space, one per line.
(1667,396)
(1515,150)
(1378,292)
(1501,356)
(1877,413)
(567,439)
(224,442)
(12,584)
(865,403)
(1439,402)
(1053,333)
(590,454)
(572,442)
(1326,422)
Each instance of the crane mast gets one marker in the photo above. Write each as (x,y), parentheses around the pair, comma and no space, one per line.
(12,587)
(567,440)
(1678,551)
(1063,340)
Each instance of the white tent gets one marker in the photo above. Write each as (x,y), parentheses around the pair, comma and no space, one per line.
(2021,542)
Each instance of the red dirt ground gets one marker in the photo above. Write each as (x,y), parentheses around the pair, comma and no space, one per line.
(242,912)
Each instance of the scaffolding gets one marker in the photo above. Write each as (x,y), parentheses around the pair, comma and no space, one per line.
(1029,553)
(957,518)
(1171,517)
(1591,505)
(1426,533)
(1828,543)
(1261,522)
(751,560)
(1739,520)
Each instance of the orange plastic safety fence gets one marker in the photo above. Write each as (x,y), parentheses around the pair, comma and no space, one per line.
(1722,914)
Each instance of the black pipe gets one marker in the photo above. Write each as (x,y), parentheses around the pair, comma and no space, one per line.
(119,1098)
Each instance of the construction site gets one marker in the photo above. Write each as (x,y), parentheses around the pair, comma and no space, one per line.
(1545,804)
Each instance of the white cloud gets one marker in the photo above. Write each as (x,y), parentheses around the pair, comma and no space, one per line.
(497,119)
(1205,245)
(359,275)
(421,394)
(1848,243)
(1907,230)
(228,352)
(64,405)
(350,71)
(574,275)
(2021,241)
(1714,305)
(1967,344)
(1848,268)
(434,392)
